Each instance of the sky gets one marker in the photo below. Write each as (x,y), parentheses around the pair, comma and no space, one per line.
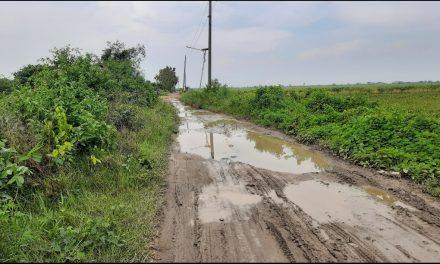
(253,43)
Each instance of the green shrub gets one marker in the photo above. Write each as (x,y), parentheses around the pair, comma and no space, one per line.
(56,199)
(268,97)
(6,85)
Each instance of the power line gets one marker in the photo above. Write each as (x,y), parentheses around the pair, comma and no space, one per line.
(197,37)
(204,24)
(200,22)
(200,33)
(198,27)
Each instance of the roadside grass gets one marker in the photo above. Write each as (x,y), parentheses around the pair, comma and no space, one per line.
(102,212)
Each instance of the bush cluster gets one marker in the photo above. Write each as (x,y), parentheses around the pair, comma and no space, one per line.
(68,107)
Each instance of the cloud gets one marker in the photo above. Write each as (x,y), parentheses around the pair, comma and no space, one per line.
(253,42)
(274,14)
(395,14)
(337,50)
(250,40)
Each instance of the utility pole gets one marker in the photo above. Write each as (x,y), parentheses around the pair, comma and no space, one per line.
(184,75)
(209,45)
(206,49)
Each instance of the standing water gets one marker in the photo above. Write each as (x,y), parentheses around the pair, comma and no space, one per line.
(211,136)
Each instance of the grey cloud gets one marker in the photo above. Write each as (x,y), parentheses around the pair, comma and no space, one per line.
(253,42)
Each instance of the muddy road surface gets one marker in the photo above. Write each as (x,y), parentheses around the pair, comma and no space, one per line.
(239,192)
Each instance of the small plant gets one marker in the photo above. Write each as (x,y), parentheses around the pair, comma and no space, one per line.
(12,170)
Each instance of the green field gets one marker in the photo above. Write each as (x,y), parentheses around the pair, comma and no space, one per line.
(389,127)
(427,102)
(407,97)
(415,98)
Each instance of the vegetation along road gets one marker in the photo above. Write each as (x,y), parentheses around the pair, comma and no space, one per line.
(84,143)
(240,192)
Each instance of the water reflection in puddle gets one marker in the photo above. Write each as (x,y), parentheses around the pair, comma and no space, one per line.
(385,197)
(223,122)
(327,202)
(212,136)
(342,202)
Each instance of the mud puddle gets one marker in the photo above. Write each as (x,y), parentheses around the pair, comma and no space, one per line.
(226,199)
(211,136)
(365,210)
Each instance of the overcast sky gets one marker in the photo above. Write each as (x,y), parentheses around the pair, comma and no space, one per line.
(253,42)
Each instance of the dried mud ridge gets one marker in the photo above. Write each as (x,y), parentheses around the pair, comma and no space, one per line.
(217,211)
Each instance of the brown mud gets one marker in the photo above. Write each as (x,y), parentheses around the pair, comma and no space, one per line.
(237,192)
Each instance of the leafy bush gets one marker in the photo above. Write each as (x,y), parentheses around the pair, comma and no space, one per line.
(23,76)
(64,115)
(268,97)
(6,85)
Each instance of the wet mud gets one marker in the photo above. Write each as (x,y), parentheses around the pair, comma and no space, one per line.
(239,192)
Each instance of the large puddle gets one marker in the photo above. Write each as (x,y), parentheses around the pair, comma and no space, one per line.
(367,210)
(341,203)
(211,136)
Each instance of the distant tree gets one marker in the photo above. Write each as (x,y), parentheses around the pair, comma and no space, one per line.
(117,51)
(62,57)
(6,85)
(167,78)
(23,75)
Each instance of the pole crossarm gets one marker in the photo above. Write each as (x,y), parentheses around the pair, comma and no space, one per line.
(197,48)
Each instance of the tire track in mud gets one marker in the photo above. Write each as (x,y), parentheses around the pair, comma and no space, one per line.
(285,225)
(308,240)
(222,211)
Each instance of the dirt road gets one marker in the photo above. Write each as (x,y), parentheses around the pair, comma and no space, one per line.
(239,192)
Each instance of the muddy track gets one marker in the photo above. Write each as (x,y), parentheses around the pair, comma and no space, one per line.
(225,211)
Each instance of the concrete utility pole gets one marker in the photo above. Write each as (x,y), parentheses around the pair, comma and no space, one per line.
(209,45)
